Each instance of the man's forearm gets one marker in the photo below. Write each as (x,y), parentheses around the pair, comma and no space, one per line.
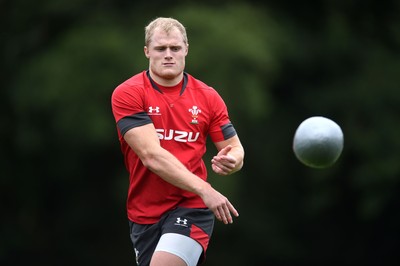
(169,168)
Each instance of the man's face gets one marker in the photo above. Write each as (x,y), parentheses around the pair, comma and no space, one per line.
(166,53)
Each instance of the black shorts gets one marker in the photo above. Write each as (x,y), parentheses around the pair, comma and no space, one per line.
(197,224)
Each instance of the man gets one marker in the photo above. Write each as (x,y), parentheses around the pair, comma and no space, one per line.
(163,117)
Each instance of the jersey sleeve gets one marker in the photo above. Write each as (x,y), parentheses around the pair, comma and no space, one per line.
(128,108)
(221,127)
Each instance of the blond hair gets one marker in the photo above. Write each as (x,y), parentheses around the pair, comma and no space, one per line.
(166,24)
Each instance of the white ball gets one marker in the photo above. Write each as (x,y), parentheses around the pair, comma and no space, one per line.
(318,142)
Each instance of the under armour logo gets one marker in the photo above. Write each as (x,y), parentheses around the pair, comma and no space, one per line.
(151,109)
(181,222)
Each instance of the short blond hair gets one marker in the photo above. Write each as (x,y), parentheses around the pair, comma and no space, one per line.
(166,24)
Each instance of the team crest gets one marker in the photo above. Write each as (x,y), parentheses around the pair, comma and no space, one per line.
(195,111)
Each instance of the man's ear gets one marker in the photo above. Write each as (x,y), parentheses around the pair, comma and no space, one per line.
(146,52)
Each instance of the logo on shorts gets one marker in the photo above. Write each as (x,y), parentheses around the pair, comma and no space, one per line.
(137,256)
(181,222)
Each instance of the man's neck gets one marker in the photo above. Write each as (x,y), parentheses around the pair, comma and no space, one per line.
(166,82)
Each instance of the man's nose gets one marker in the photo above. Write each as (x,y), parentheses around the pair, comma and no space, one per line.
(168,53)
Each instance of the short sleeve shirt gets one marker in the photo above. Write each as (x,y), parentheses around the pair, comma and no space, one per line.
(183,123)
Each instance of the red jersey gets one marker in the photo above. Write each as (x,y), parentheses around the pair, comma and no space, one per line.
(183,121)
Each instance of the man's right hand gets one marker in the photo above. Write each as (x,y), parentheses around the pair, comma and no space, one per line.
(219,205)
